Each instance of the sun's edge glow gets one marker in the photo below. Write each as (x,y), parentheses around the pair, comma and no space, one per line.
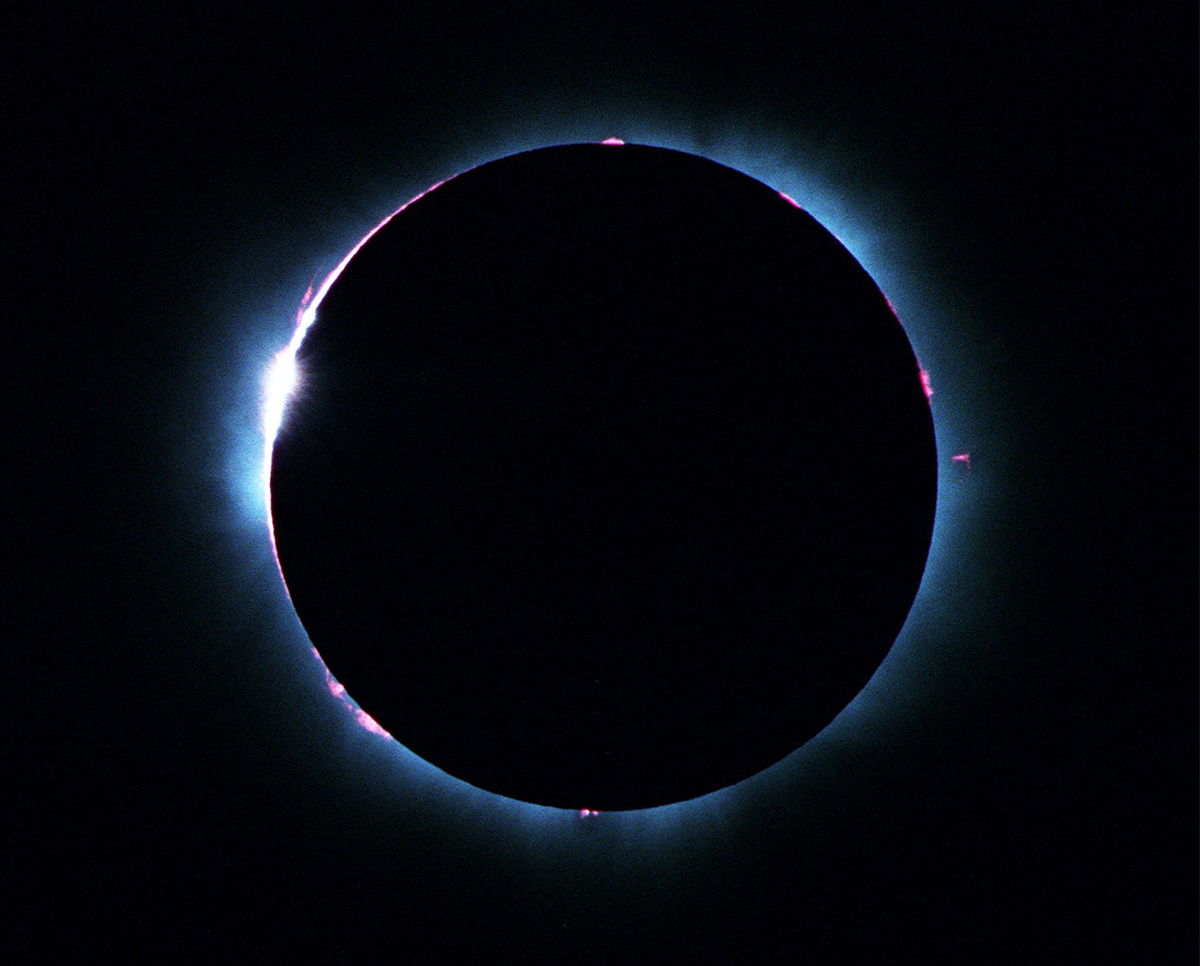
(283,378)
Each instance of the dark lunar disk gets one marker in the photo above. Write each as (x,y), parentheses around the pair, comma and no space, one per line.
(612,477)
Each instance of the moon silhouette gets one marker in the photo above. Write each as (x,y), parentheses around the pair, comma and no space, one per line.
(611,478)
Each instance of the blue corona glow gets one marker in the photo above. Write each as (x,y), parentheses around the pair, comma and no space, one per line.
(864,223)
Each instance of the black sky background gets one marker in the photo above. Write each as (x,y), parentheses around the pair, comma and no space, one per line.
(1045,806)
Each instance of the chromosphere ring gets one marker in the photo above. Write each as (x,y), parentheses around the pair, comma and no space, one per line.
(610,479)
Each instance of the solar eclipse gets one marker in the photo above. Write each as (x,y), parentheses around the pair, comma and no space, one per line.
(567,506)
